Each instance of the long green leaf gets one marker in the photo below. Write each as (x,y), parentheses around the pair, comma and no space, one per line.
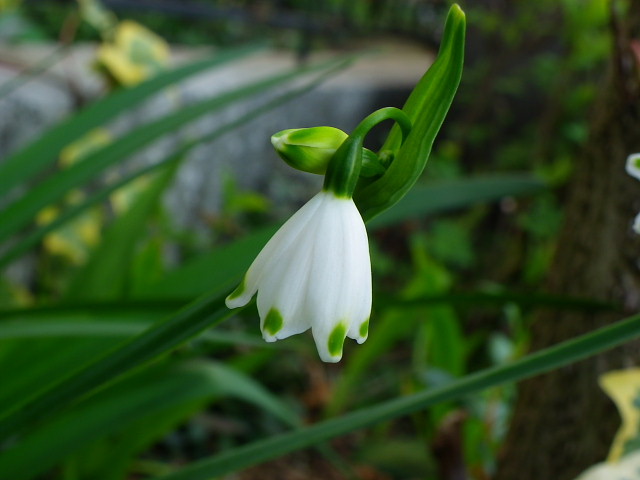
(557,356)
(30,366)
(105,275)
(30,240)
(33,238)
(526,300)
(19,213)
(71,338)
(42,152)
(159,339)
(442,196)
(146,395)
(221,268)
(104,311)
(135,308)
(215,271)
(107,326)
(388,329)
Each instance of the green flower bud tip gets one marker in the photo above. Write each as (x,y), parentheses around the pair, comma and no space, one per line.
(308,149)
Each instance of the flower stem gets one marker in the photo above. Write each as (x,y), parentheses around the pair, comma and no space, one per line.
(343,170)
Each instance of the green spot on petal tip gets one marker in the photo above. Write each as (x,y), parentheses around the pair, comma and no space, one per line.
(238,291)
(364,328)
(336,340)
(273,323)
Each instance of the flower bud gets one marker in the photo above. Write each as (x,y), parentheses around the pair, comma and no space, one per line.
(308,149)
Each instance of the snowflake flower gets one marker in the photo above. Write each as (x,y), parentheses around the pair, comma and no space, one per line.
(314,273)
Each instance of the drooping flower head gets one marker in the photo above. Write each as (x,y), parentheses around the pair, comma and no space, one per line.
(315,272)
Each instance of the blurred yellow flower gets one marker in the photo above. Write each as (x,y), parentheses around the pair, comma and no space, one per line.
(82,147)
(8,5)
(623,386)
(75,238)
(125,197)
(135,53)
(623,463)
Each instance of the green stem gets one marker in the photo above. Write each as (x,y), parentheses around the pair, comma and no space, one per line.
(343,170)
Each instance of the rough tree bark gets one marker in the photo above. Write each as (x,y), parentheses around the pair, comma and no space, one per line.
(562,421)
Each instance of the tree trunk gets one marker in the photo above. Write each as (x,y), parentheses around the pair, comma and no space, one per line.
(562,422)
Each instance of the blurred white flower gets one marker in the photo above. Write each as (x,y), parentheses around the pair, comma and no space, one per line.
(633,169)
(314,273)
(636,224)
(633,165)
(628,468)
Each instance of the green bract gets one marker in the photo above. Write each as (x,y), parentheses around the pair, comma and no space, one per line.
(426,107)
(308,149)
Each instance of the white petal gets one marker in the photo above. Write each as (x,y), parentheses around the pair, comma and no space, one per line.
(276,248)
(359,276)
(284,285)
(636,224)
(354,299)
(326,295)
(633,165)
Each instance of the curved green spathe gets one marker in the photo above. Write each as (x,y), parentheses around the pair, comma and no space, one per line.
(426,107)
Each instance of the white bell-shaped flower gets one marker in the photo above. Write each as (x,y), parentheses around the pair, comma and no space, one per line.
(314,273)
(633,165)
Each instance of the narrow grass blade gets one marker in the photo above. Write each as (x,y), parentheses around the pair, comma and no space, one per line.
(22,246)
(545,360)
(154,392)
(526,300)
(41,153)
(119,308)
(158,340)
(24,378)
(225,266)
(19,213)
(108,326)
(440,197)
(215,271)
(105,275)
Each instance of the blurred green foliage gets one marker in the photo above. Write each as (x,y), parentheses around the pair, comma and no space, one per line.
(522,107)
